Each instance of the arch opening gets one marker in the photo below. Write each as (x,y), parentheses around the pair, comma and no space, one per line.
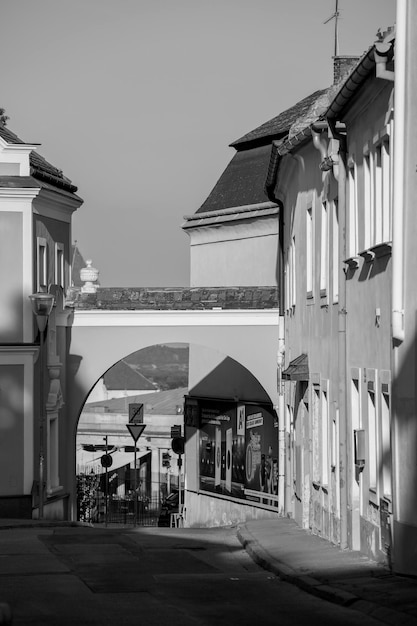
(160,379)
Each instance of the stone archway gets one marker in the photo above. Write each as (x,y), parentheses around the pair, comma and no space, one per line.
(100,339)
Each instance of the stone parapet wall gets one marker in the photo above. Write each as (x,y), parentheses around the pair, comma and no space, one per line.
(167,298)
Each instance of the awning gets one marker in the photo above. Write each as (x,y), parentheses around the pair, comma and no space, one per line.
(297,369)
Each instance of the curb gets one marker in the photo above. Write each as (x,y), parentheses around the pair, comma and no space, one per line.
(315,587)
(41,524)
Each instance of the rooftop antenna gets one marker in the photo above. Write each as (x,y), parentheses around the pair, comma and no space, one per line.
(335,17)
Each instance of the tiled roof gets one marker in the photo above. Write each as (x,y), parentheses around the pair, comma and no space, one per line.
(242,182)
(124,376)
(40,167)
(277,126)
(157,403)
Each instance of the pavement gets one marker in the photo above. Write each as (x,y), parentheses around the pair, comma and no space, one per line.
(313,564)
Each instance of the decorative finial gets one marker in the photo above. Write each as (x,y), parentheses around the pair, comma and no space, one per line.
(89,276)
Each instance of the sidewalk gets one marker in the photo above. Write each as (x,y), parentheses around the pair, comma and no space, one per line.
(340,576)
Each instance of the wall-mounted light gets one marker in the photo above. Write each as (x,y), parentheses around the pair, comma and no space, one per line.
(42,304)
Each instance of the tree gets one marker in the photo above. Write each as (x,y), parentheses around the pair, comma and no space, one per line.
(3,116)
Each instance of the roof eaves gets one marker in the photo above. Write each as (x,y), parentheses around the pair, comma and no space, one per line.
(352,83)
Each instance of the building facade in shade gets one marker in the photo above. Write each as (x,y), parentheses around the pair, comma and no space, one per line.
(36,205)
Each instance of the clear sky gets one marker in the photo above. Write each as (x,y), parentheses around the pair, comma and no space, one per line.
(137,102)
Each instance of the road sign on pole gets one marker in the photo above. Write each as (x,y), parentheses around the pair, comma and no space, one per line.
(135,430)
(135,413)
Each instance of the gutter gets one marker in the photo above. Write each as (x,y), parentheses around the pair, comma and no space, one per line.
(247,208)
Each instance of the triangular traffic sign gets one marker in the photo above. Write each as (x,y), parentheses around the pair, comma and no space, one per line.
(135,430)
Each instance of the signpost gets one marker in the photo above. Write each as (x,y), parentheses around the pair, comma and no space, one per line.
(135,430)
(106,461)
(177,445)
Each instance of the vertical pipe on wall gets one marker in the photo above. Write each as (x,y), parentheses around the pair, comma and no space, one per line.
(342,399)
(399,174)
(281,418)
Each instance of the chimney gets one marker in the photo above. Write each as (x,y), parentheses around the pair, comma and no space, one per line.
(342,66)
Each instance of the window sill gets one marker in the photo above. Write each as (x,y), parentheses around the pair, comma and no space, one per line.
(373,496)
(367,255)
(352,262)
(382,249)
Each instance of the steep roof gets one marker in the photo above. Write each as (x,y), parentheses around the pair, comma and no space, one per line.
(278,126)
(124,376)
(157,403)
(242,182)
(40,168)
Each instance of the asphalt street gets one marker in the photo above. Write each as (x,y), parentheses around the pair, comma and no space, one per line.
(150,576)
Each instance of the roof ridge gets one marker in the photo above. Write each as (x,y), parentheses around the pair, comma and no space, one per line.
(281,123)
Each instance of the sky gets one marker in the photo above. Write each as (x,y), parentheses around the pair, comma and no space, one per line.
(137,102)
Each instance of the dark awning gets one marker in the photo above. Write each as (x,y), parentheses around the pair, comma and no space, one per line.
(297,369)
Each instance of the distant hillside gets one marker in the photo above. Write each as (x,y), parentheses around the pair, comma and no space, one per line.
(164,365)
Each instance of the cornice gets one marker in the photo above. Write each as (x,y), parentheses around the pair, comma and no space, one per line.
(213,317)
(19,193)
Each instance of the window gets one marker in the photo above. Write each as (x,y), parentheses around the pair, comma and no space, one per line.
(353,213)
(385,441)
(386,191)
(378,209)
(59,265)
(42,265)
(372,437)
(309,251)
(317,435)
(324,250)
(324,435)
(292,273)
(335,439)
(335,249)
(368,204)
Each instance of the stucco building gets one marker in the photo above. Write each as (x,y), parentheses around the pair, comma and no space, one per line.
(36,206)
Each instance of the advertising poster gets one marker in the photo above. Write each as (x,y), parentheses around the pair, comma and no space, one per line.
(218,457)
(239,450)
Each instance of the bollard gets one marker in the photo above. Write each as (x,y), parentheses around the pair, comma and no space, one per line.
(5,614)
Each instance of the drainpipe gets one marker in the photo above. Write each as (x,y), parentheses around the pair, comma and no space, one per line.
(270,185)
(338,166)
(399,176)
(342,365)
(281,414)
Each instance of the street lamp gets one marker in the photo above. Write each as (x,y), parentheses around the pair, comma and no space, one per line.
(42,304)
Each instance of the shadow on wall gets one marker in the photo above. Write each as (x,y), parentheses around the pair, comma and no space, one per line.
(404,386)
(226,379)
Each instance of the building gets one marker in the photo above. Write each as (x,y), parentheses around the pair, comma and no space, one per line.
(121,381)
(347,226)
(36,206)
